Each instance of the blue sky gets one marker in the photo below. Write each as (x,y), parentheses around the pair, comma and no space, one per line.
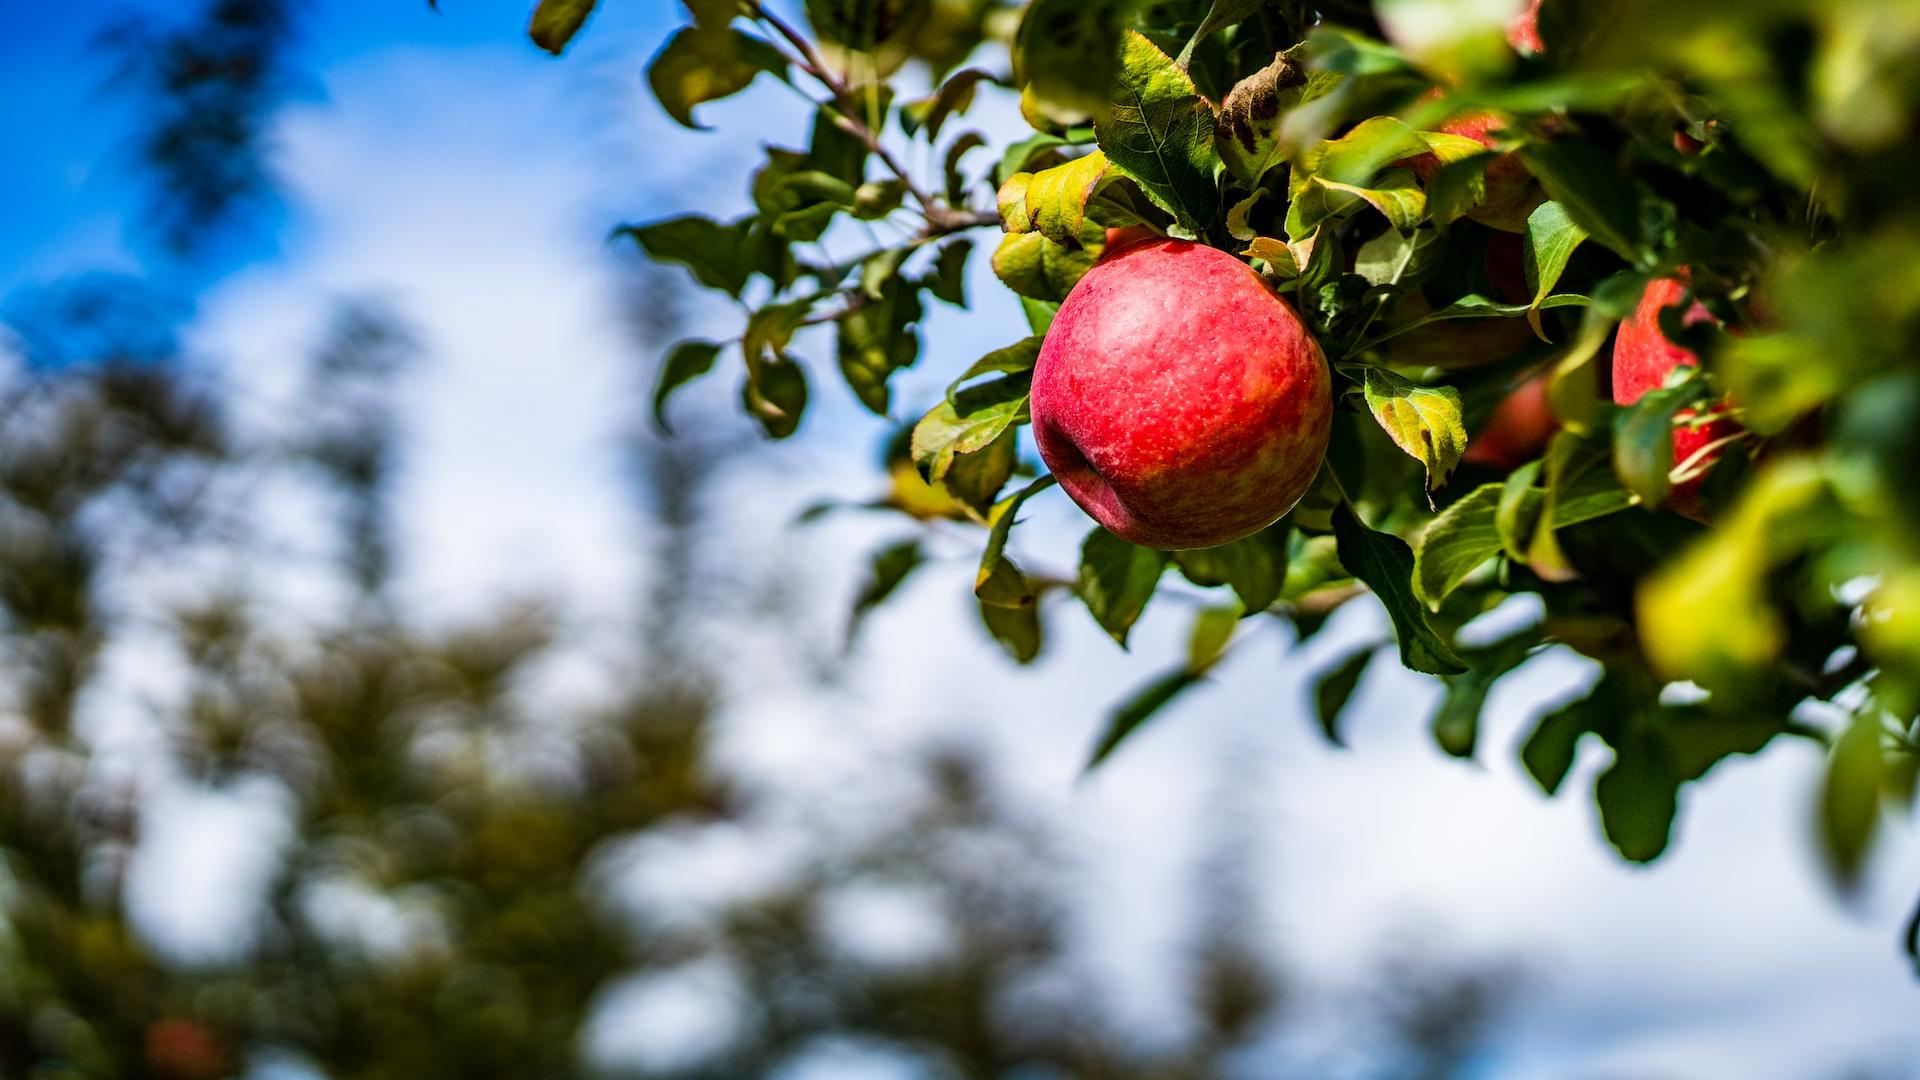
(442,161)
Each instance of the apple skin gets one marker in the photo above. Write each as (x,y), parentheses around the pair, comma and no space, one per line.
(1178,400)
(1642,357)
(1518,430)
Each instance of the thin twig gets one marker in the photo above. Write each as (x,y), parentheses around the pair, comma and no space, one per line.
(940,219)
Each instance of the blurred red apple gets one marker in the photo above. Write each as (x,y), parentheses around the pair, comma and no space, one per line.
(1511,193)
(1518,431)
(1642,358)
(1178,400)
(181,1049)
(1523,33)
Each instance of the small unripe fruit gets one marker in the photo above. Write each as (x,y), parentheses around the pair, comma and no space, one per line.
(1642,358)
(1178,400)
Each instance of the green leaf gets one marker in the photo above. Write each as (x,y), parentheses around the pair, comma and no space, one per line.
(1212,629)
(1020,157)
(1039,313)
(974,480)
(1396,257)
(1160,133)
(1456,722)
(1246,134)
(967,423)
(1137,710)
(1548,752)
(999,581)
(1850,797)
(1395,194)
(1276,254)
(1067,52)
(876,339)
(1254,567)
(948,279)
(1643,441)
(556,21)
(1039,269)
(1327,175)
(776,395)
(1424,421)
(1638,797)
(1055,200)
(956,179)
(1385,563)
(864,24)
(697,65)
(1590,190)
(717,254)
(1335,687)
(1457,188)
(1458,542)
(955,97)
(1222,14)
(1518,513)
(686,361)
(1017,629)
(1014,358)
(1552,237)
(886,570)
(1116,580)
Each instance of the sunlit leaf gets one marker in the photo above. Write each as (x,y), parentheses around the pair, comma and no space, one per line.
(1424,421)
(556,21)
(1552,237)
(1159,132)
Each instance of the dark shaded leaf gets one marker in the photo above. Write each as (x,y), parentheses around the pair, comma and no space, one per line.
(1335,687)
(556,21)
(686,361)
(1116,580)
(1385,563)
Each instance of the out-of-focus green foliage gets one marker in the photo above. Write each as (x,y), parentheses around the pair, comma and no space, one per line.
(1764,153)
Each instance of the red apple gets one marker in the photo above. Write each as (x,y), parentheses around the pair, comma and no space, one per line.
(1178,400)
(1523,33)
(1642,357)
(1518,431)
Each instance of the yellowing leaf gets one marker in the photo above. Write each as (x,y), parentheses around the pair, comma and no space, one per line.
(1055,200)
(1422,420)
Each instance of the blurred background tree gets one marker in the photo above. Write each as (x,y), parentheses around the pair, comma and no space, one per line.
(430,788)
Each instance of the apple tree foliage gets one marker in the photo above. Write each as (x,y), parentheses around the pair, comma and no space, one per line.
(1765,151)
